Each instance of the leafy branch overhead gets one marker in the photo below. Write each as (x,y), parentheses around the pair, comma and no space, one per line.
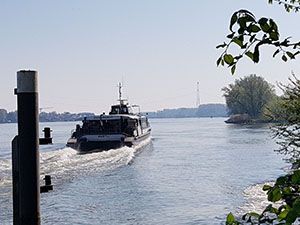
(289,5)
(249,34)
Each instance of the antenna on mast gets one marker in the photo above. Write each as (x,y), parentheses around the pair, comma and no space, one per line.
(198,96)
(120,91)
(121,100)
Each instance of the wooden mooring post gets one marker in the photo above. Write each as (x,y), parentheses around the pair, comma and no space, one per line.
(25,152)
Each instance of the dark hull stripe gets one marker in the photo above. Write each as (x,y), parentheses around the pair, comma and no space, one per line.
(98,146)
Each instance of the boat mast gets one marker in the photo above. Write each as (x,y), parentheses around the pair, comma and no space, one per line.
(120,93)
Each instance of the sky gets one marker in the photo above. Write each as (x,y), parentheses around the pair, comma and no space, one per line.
(160,49)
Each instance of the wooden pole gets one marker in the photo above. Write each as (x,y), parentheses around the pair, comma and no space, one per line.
(27,195)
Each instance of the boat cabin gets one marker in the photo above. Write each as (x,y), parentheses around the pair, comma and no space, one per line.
(129,125)
(120,109)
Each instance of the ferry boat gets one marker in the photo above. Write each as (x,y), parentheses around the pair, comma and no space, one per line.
(121,127)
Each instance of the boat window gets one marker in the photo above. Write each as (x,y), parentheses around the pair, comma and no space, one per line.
(124,110)
(115,110)
(145,123)
(111,126)
(129,127)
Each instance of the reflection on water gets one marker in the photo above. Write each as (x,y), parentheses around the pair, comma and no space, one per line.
(194,171)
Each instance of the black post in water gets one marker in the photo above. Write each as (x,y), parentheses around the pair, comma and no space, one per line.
(28,149)
(16,181)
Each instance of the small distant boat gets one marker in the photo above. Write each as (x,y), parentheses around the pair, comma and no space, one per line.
(120,128)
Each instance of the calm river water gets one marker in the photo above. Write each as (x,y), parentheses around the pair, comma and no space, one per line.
(193,171)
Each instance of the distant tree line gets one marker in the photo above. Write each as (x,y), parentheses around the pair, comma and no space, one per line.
(205,110)
(11,117)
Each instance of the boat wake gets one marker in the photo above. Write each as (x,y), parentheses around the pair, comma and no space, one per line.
(66,164)
(256,199)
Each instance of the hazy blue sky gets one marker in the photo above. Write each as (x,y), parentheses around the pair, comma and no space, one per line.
(160,48)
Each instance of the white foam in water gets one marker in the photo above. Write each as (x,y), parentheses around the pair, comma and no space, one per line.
(5,171)
(256,199)
(67,163)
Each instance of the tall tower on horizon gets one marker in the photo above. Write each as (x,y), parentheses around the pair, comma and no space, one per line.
(198,96)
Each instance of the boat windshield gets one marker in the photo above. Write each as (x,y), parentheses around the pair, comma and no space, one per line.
(100,127)
(108,126)
(119,109)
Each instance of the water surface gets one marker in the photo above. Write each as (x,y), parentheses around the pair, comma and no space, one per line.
(193,171)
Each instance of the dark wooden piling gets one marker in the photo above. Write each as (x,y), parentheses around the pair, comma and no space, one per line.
(15,174)
(26,195)
(48,185)
(47,139)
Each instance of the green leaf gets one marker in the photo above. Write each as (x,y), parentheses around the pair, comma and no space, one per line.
(266,187)
(296,177)
(291,55)
(284,58)
(249,54)
(250,18)
(219,61)
(282,215)
(263,23)
(256,54)
(274,26)
(274,36)
(274,194)
(241,30)
(276,52)
(233,20)
(233,69)
(262,20)
(296,206)
(247,13)
(286,191)
(291,216)
(228,59)
(254,28)
(265,27)
(253,214)
(281,180)
(230,219)
(238,41)
(242,22)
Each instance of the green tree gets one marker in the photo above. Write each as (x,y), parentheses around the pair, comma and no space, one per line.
(273,111)
(3,115)
(286,190)
(248,95)
(249,34)
(288,132)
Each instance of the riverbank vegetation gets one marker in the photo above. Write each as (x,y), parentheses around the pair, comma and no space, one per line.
(248,98)
(11,117)
(286,190)
(249,34)
(204,110)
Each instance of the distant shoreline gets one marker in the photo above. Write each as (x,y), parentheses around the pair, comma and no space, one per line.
(203,111)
